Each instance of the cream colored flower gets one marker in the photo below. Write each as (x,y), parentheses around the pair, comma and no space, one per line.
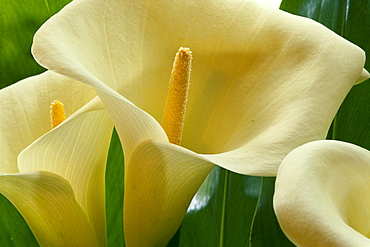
(263,82)
(55,177)
(322,195)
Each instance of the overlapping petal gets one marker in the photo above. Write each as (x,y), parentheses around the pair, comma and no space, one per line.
(47,203)
(25,114)
(262,84)
(76,150)
(160,181)
(322,195)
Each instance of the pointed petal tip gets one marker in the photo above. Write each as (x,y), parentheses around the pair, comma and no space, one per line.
(363,77)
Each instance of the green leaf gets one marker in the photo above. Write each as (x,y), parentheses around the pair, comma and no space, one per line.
(222,211)
(199,227)
(14,231)
(242,199)
(266,230)
(114,193)
(19,22)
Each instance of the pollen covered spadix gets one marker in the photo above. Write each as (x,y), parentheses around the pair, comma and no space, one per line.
(177,96)
(57,113)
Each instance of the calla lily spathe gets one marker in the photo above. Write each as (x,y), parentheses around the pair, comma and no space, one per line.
(263,83)
(322,195)
(55,178)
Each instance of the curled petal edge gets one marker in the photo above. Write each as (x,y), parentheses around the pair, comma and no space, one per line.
(322,195)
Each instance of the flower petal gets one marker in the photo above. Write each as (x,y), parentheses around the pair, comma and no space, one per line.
(271,3)
(262,83)
(25,111)
(364,76)
(132,123)
(47,203)
(77,150)
(160,181)
(257,68)
(322,195)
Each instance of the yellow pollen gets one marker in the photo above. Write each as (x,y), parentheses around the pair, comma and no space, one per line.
(177,96)
(57,114)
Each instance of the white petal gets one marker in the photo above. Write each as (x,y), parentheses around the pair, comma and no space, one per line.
(25,111)
(271,3)
(47,203)
(322,195)
(160,181)
(262,84)
(77,150)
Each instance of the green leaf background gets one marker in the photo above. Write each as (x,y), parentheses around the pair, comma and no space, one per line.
(229,209)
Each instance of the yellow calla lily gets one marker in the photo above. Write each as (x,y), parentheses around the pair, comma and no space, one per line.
(262,85)
(322,195)
(55,178)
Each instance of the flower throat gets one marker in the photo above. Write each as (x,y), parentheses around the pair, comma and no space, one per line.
(177,96)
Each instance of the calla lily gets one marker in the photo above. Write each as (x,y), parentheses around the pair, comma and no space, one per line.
(263,83)
(55,177)
(322,195)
